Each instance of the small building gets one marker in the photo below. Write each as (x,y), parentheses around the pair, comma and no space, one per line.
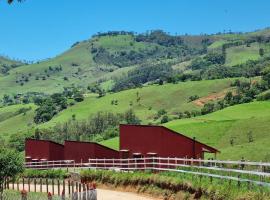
(82,151)
(43,150)
(151,141)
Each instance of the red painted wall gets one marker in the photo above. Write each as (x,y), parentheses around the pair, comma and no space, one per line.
(160,140)
(82,151)
(43,149)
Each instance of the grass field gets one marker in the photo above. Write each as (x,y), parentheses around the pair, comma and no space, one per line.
(218,128)
(171,97)
(12,122)
(241,54)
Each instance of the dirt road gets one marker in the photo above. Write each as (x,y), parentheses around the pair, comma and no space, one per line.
(115,195)
(101,193)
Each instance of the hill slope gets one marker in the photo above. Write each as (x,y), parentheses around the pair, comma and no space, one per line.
(110,55)
(171,97)
(239,123)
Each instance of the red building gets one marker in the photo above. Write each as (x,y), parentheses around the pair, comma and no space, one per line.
(36,150)
(82,151)
(148,141)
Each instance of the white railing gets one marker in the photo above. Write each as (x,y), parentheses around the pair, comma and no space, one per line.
(253,172)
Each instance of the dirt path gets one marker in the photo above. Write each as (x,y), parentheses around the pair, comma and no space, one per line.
(103,194)
(116,195)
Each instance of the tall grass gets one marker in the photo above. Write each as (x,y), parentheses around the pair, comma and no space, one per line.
(170,184)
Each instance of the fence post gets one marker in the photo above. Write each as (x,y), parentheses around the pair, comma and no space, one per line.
(64,186)
(72,186)
(53,186)
(23,183)
(47,185)
(69,187)
(29,187)
(58,187)
(40,185)
(7,183)
(35,185)
(76,186)
(18,185)
(13,182)
(238,182)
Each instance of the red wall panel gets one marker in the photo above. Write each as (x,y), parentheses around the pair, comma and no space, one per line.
(82,151)
(160,140)
(43,149)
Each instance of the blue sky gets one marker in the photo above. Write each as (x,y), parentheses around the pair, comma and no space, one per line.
(38,29)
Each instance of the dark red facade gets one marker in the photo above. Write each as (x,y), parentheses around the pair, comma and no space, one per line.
(82,151)
(43,150)
(148,141)
(135,141)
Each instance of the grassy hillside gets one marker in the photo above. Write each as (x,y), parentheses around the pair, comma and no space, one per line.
(171,97)
(233,123)
(7,64)
(16,119)
(217,129)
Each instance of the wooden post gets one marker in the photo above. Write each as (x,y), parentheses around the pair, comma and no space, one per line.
(7,183)
(18,188)
(47,186)
(13,182)
(64,186)
(72,187)
(40,185)
(238,183)
(53,186)
(29,187)
(35,185)
(76,186)
(58,187)
(23,183)
(69,187)
(80,187)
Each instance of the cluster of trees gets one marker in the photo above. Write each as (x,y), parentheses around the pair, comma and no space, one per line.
(141,75)
(95,88)
(4,68)
(26,98)
(113,33)
(51,105)
(101,126)
(161,38)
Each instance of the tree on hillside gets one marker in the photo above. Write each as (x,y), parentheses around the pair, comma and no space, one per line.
(261,52)
(11,163)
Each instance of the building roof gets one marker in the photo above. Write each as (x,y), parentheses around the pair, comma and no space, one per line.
(92,143)
(44,141)
(174,132)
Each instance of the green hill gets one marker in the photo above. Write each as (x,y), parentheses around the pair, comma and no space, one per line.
(171,97)
(16,119)
(113,54)
(242,123)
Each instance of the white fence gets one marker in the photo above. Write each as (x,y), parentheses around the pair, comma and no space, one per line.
(250,172)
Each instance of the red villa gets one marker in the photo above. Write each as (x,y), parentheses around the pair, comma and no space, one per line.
(149,141)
